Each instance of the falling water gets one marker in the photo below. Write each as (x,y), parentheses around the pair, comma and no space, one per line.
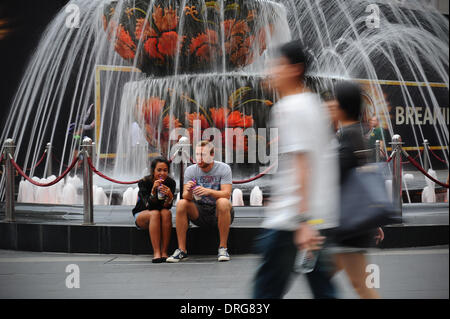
(188,57)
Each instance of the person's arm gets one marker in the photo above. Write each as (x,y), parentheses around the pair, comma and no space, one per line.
(187,190)
(306,237)
(225,191)
(302,168)
(169,191)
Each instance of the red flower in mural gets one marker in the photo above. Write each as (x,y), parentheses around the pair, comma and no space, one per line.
(152,109)
(165,21)
(123,43)
(219,117)
(237,119)
(233,119)
(125,46)
(205,45)
(144,30)
(151,47)
(169,42)
(191,117)
(239,44)
(162,44)
(170,122)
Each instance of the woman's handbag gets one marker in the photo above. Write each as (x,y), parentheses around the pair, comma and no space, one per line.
(365,204)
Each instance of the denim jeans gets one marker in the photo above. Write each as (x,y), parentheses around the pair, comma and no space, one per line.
(274,274)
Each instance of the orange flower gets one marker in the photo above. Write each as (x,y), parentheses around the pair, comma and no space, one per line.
(144,30)
(124,44)
(237,119)
(167,21)
(169,42)
(232,28)
(233,119)
(151,110)
(205,45)
(219,117)
(151,47)
(197,117)
(170,122)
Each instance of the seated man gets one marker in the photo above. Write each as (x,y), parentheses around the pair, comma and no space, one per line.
(206,200)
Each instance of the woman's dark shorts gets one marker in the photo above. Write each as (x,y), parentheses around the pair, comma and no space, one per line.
(207,216)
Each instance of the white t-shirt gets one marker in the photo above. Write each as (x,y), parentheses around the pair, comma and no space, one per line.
(303,127)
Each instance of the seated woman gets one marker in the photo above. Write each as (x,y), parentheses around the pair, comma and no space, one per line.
(152,211)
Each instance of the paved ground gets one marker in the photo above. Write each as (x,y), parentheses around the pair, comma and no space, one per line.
(404,273)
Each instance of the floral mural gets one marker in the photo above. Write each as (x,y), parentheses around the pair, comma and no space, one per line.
(160,118)
(167,38)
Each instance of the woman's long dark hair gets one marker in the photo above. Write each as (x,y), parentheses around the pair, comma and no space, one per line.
(151,178)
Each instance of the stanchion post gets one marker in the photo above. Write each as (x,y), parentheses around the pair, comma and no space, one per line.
(88,193)
(377,151)
(48,149)
(180,153)
(426,155)
(9,149)
(397,172)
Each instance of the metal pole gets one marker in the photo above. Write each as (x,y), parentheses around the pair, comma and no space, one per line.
(9,149)
(49,171)
(426,155)
(180,153)
(397,172)
(377,151)
(88,193)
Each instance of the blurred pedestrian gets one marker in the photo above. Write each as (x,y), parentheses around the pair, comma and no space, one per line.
(305,186)
(353,152)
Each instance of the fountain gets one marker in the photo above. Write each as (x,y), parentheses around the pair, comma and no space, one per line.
(154,66)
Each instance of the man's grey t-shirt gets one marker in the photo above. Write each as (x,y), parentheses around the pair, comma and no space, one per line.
(219,174)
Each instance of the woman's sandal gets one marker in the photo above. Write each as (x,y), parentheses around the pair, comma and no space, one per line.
(158,260)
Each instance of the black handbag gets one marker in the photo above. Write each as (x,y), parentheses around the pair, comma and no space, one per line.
(364,203)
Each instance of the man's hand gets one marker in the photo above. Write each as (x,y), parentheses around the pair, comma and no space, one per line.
(307,237)
(201,191)
(189,185)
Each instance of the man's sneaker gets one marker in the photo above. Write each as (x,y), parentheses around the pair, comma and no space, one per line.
(223,254)
(177,256)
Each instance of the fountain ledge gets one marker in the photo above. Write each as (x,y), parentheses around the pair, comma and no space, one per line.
(59,228)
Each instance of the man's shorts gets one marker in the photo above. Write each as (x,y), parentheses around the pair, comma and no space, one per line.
(207,216)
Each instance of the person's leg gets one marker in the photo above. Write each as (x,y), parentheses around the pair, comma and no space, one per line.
(320,279)
(155,232)
(166,228)
(151,220)
(355,267)
(185,210)
(275,270)
(223,213)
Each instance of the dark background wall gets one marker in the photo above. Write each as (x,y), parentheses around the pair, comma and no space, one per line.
(21,25)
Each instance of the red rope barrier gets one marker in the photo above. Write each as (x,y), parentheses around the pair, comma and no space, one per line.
(49,184)
(417,165)
(106,177)
(254,178)
(437,157)
(39,162)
